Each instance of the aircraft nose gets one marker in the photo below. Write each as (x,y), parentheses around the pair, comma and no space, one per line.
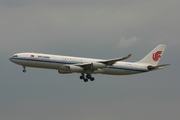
(10,58)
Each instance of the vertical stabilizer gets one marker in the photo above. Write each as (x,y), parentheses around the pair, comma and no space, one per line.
(154,56)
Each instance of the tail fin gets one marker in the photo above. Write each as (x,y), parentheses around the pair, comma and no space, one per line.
(154,56)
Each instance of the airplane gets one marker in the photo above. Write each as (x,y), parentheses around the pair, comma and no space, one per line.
(88,66)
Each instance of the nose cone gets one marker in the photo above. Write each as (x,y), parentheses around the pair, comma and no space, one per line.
(14,59)
(10,58)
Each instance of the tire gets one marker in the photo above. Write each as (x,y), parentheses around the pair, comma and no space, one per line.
(92,78)
(88,76)
(85,80)
(81,77)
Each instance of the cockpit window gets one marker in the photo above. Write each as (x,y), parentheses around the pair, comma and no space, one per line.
(15,55)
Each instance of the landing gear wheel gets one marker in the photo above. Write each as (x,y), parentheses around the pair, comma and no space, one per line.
(88,76)
(92,78)
(24,71)
(81,77)
(85,80)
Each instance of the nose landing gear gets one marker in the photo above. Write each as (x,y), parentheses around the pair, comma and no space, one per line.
(24,69)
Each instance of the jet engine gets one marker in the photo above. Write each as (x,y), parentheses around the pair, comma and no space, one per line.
(64,72)
(74,68)
(98,65)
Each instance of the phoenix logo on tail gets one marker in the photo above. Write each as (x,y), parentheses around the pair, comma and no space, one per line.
(156,56)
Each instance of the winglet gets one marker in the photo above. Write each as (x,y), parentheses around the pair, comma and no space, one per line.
(128,56)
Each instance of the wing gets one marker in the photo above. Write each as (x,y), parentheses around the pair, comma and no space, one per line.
(92,66)
(103,63)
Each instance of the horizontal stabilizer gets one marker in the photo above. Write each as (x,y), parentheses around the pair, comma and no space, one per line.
(157,67)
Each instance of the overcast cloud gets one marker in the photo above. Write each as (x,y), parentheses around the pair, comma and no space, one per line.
(99,29)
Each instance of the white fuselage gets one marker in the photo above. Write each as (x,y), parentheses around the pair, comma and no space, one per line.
(49,61)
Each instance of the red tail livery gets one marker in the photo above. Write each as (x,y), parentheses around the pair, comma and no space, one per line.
(156,56)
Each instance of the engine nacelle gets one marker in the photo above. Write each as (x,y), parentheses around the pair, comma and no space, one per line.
(98,65)
(64,72)
(74,68)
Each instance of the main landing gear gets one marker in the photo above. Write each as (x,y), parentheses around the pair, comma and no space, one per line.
(24,69)
(88,76)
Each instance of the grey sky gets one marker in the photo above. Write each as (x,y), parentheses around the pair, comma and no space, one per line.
(96,28)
